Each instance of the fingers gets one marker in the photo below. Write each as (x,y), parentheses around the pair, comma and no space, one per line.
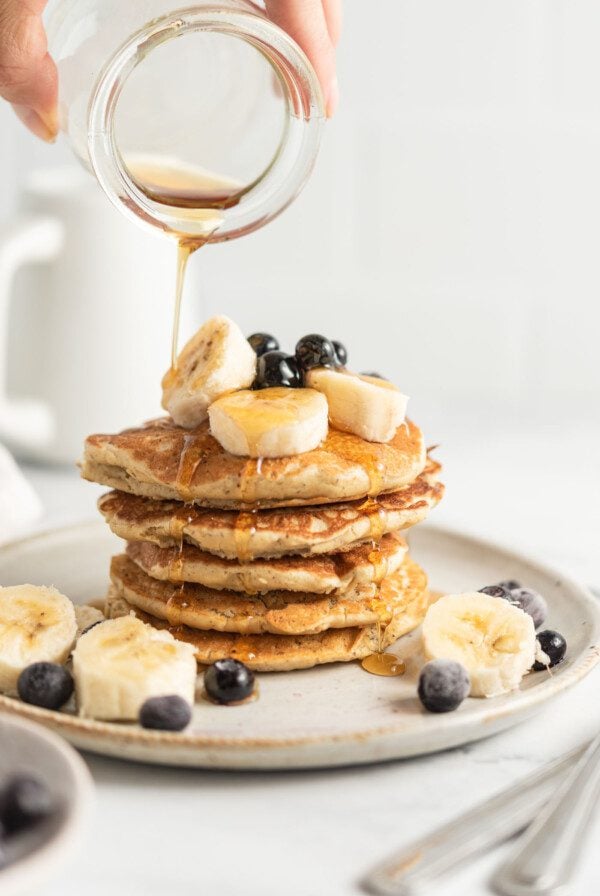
(308,23)
(333,17)
(28,77)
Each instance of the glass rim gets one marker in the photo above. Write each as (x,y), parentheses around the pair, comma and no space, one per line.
(288,171)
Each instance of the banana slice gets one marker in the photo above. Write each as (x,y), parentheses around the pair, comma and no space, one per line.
(218,359)
(276,422)
(493,639)
(367,406)
(36,624)
(119,664)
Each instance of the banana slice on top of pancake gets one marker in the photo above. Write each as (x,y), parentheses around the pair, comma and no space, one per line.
(366,406)
(218,359)
(275,422)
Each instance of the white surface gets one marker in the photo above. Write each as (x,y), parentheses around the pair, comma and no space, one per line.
(31,750)
(326,716)
(314,833)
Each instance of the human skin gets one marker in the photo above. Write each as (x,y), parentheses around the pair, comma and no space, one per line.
(29,79)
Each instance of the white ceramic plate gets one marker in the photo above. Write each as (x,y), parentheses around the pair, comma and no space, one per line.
(330,715)
(29,749)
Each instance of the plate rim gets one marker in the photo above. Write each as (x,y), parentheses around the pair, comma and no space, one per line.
(522,702)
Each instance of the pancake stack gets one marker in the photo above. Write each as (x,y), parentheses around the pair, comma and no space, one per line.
(282,563)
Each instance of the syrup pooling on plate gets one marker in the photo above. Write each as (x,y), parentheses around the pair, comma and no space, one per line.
(380,663)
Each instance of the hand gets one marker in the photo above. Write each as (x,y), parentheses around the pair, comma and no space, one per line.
(29,80)
(28,77)
(315,25)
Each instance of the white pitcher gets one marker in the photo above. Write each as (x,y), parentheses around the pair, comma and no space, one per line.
(86,303)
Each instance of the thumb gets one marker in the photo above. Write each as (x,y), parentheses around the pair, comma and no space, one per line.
(28,76)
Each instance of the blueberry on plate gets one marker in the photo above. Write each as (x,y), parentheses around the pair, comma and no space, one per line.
(443,685)
(531,602)
(263,343)
(341,354)
(228,681)
(169,713)
(277,369)
(496,591)
(510,584)
(315,351)
(24,800)
(45,684)
(554,646)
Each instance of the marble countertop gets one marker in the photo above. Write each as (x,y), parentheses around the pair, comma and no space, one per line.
(159,831)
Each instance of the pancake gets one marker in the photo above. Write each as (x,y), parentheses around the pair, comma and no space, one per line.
(349,572)
(276,612)
(162,460)
(279,653)
(272,533)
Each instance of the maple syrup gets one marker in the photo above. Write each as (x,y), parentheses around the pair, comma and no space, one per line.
(246,519)
(173,607)
(201,197)
(385,664)
(191,455)
(179,519)
(380,663)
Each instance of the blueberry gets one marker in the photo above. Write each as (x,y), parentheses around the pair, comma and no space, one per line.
(496,591)
(341,354)
(170,713)
(443,685)
(228,681)
(374,374)
(510,584)
(24,801)
(277,369)
(45,684)
(531,602)
(315,351)
(554,646)
(263,343)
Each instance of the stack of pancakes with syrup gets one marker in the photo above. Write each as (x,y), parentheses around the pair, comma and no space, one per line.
(281,563)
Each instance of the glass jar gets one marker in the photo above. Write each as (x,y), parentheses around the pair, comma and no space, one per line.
(203,121)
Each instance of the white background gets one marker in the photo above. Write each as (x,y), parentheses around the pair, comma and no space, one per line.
(449,233)
(449,237)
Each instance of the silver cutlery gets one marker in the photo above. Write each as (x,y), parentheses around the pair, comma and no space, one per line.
(545,857)
(416,868)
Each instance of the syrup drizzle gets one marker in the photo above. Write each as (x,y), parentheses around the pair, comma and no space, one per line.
(189,460)
(380,663)
(245,524)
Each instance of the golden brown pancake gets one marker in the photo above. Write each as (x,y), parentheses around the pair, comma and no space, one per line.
(351,572)
(276,653)
(277,612)
(272,533)
(162,460)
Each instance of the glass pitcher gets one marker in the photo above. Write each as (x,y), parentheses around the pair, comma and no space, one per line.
(203,121)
